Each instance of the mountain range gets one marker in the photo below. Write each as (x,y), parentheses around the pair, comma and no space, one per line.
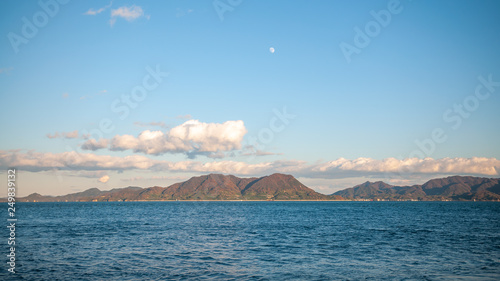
(207,187)
(286,187)
(450,188)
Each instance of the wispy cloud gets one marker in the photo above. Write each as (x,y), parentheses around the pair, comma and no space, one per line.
(102,92)
(154,178)
(86,174)
(251,150)
(151,124)
(128,13)
(54,136)
(6,70)
(66,135)
(92,12)
(187,116)
(182,12)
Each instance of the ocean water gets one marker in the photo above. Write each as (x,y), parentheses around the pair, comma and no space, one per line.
(256,241)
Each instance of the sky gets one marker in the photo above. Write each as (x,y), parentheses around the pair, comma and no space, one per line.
(114,94)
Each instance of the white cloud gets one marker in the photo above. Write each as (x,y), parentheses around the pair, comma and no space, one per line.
(92,12)
(72,160)
(390,168)
(104,179)
(192,137)
(37,161)
(395,168)
(211,137)
(128,13)
(93,145)
(124,142)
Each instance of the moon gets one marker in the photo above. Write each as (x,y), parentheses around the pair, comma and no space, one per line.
(271,50)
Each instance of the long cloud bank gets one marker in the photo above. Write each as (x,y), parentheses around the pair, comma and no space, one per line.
(393,168)
(340,168)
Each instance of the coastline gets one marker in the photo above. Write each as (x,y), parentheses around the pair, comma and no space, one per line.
(3,200)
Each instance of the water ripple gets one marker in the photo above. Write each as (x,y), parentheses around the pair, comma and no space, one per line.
(258,241)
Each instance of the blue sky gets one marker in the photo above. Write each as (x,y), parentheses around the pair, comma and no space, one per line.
(356,117)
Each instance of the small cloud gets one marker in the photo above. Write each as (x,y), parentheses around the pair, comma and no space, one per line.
(266,153)
(151,124)
(187,116)
(92,12)
(85,174)
(102,92)
(182,12)
(104,179)
(65,95)
(216,155)
(85,136)
(250,150)
(94,145)
(6,70)
(66,135)
(213,155)
(128,13)
(159,124)
(139,178)
(71,135)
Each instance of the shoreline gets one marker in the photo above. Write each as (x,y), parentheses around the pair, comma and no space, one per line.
(92,201)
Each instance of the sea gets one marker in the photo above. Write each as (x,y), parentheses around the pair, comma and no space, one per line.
(254,241)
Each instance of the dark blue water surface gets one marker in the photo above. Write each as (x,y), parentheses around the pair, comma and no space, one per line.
(256,241)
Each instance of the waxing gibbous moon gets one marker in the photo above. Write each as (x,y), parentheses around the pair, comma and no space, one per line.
(271,50)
